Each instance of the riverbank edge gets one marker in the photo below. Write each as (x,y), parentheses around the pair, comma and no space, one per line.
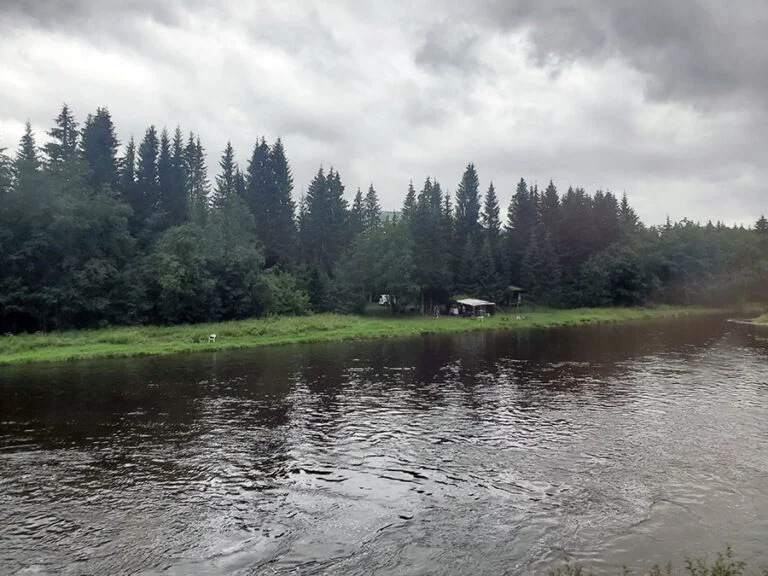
(129,341)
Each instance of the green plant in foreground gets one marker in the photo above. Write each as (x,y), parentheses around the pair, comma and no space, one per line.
(725,564)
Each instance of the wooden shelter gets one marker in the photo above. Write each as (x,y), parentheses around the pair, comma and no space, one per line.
(475,307)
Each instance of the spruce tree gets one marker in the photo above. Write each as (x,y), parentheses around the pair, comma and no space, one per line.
(488,281)
(176,199)
(540,269)
(282,233)
(490,216)
(468,204)
(6,174)
(99,144)
(325,221)
(357,215)
(64,138)
(127,185)
(240,184)
(628,220)
(165,176)
(198,185)
(761,226)
(259,182)
(409,205)
(225,179)
(147,182)
(371,210)
(549,209)
(27,161)
(521,220)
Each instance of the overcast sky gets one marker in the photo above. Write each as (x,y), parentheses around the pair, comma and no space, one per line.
(667,101)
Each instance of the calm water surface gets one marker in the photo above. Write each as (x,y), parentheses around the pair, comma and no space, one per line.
(483,453)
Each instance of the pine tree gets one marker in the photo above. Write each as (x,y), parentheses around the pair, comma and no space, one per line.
(176,199)
(521,220)
(490,216)
(259,182)
(325,221)
(489,282)
(761,226)
(6,174)
(240,184)
(549,209)
(371,210)
(541,270)
(432,272)
(165,176)
(357,215)
(127,185)
(198,186)
(64,137)
(225,180)
(147,182)
(409,205)
(279,235)
(628,220)
(99,143)
(27,161)
(468,204)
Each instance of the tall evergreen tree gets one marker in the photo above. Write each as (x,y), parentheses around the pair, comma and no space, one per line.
(127,185)
(27,161)
(521,220)
(409,205)
(371,210)
(541,270)
(278,233)
(628,220)
(468,204)
(490,216)
(198,185)
(432,272)
(165,175)
(761,226)
(6,174)
(259,183)
(325,221)
(225,180)
(176,197)
(357,215)
(64,138)
(549,209)
(240,184)
(147,182)
(99,143)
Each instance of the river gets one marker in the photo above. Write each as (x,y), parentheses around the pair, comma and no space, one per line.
(476,453)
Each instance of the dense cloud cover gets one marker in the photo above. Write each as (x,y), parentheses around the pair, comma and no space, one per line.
(666,101)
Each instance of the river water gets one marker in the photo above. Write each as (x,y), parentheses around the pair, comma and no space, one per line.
(477,453)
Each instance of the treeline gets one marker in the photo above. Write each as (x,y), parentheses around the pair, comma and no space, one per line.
(92,237)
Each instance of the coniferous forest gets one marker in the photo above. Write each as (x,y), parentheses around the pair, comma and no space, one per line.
(94,232)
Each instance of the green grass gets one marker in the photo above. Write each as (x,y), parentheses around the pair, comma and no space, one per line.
(761,319)
(159,340)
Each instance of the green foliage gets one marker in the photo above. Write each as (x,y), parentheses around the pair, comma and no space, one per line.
(617,276)
(99,145)
(286,296)
(88,239)
(468,204)
(541,269)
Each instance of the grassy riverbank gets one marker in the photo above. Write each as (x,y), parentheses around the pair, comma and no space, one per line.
(761,319)
(156,340)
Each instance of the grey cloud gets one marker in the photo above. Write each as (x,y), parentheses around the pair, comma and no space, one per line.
(443,52)
(694,50)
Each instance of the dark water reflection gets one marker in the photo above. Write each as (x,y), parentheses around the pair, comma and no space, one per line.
(484,453)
